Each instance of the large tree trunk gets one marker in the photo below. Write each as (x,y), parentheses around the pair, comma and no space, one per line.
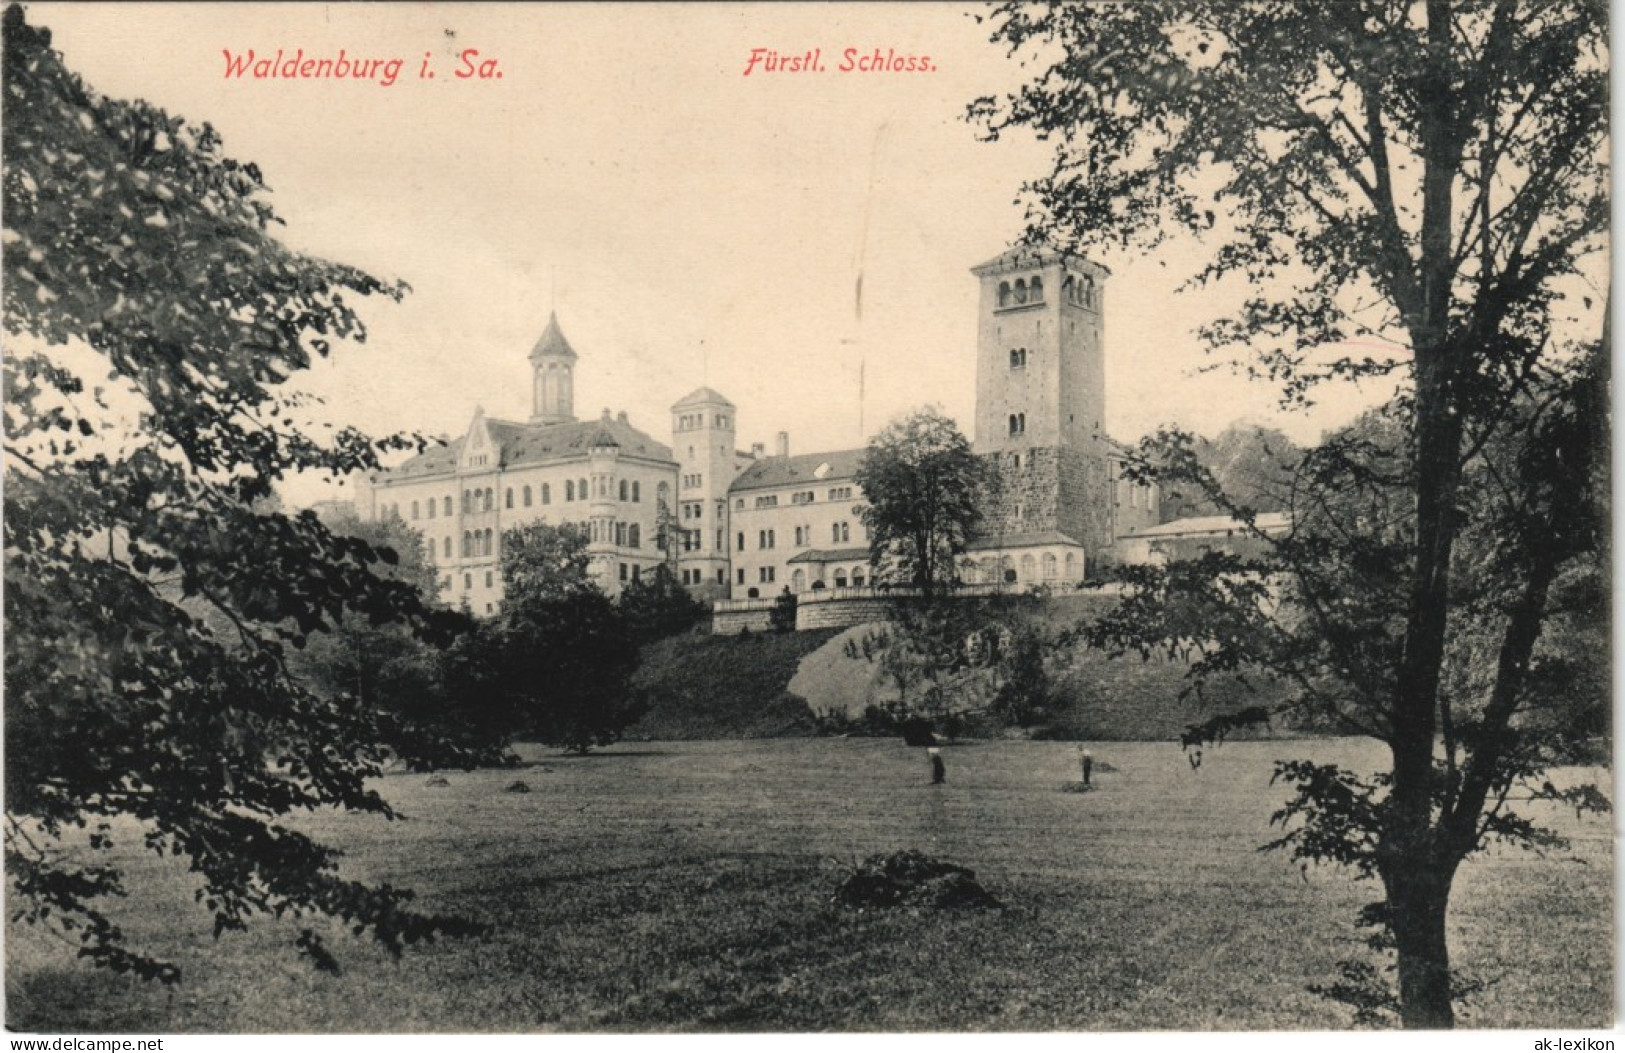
(1419,898)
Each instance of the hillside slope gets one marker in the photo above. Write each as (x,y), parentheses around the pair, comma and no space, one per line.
(697,686)
(766,685)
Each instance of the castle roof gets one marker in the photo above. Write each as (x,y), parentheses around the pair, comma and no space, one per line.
(804,468)
(552,343)
(535,444)
(1215,526)
(1007,542)
(829,555)
(1026,255)
(702,397)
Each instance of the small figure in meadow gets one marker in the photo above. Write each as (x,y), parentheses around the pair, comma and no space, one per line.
(1086,762)
(938,771)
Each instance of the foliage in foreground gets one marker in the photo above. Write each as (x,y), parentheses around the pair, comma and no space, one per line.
(1413,194)
(566,650)
(153,594)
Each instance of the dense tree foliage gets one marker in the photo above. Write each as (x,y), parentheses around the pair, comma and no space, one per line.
(1411,192)
(567,652)
(153,594)
(923,485)
(434,692)
(1253,466)
(656,606)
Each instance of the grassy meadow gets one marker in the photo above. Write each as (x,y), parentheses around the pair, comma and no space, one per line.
(685,886)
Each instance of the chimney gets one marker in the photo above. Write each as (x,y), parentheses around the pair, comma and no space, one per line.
(782,447)
(621,416)
(757,451)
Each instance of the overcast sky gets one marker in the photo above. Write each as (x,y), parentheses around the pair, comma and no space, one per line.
(690,224)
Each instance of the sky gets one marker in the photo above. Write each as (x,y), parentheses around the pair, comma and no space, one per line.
(689,223)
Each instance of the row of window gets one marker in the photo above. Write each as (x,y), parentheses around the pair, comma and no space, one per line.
(695,576)
(840,534)
(802,497)
(1024,290)
(693,481)
(990,570)
(840,578)
(1076,290)
(622,535)
(692,421)
(484,500)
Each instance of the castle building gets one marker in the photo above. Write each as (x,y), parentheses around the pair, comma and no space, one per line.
(1058,500)
(605,475)
(737,525)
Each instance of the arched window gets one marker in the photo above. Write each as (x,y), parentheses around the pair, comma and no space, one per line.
(468,543)
(468,501)
(857,576)
(490,544)
(840,578)
(626,490)
(434,506)
(547,494)
(1028,567)
(1007,567)
(448,506)
(525,496)
(414,509)
(1049,566)
(490,498)
(507,498)
(581,489)
(1035,289)
(798,580)
(1071,564)
(632,538)
(447,547)
(569,490)
(1021,290)
(635,498)
(1004,294)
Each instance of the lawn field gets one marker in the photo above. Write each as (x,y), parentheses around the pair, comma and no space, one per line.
(685,886)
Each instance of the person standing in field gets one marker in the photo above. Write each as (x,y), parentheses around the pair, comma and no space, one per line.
(1086,763)
(939,771)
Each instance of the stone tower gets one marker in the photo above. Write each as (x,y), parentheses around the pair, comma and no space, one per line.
(1041,394)
(552,362)
(702,443)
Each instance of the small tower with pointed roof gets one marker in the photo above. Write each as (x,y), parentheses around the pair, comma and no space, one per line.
(552,362)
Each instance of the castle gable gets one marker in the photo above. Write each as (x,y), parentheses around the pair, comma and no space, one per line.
(479,448)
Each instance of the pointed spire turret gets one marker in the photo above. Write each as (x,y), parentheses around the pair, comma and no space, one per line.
(552,363)
(552,343)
